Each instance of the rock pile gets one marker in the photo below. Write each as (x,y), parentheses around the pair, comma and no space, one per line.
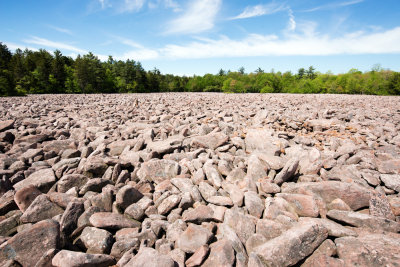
(199,180)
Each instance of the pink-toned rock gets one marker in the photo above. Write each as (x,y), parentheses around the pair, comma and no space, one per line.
(67,258)
(221,254)
(114,221)
(338,204)
(25,196)
(304,205)
(353,194)
(292,246)
(211,140)
(193,238)
(28,246)
(5,125)
(198,256)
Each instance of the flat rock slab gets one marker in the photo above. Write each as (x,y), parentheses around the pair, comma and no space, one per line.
(364,220)
(292,246)
(42,179)
(353,194)
(369,250)
(67,258)
(114,221)
(158,170)
(28,246)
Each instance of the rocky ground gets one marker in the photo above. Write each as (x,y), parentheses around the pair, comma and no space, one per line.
(200,180)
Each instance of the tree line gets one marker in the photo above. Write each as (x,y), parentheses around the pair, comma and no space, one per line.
(42,72)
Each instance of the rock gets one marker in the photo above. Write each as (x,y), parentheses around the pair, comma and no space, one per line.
(364,220)
(198,256)
(7,202)
(67,258)
(9,225)
(391,181)
(242,224)
(255,241)
(292,246)
(200,214)
(287,172)
(31,139)
(211,140)
(212,174)
(352,194)
(70,217)
(273,162)
(150,257)
(256,170)
(391,166)
(369,250)
(254,204)
(166,146)
(338,204)
(42,179)
(28,246)
(221,254)
(61,199)
(379,206)
(25,196)
(126,196)
(186,185)
(226,232)
(83,220)
(94,166)
(6,125)
(94,185)
(96,241)
(41,209)
(45,260)
(304,205)
(270,229)
(262,140)
(193,238)
(168,204)
(334,229)
(158,170)
(116,147)
(206,190)
(112,221)
(120,247)
(71,180)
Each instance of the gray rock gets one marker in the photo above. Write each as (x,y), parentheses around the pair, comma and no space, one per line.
(96,241)
(67,258)
(41,209)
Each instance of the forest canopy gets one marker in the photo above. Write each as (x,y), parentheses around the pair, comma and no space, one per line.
(42,72)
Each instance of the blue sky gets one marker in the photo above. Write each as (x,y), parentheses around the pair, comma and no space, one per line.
(202,36)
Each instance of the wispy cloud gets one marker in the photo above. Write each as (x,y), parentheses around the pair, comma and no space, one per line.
(62,30)
(13,46)
(131,5)
(292,22)
(260,10)
(199,17)
(305,44)
(51,44)
(334,5)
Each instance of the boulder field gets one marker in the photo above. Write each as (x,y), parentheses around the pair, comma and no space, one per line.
(200,179)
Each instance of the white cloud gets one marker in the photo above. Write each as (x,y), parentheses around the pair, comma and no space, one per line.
(12,47)
(260,10)
(131,5)
(62,30)
(292,22)
(200,16)
(306,44)
(334,5)
(51,44)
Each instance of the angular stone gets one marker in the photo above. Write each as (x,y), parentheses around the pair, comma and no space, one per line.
(353,194)
(256,170)
(70,217)
(293,245)
(391,181)
(126,196)
(41,209)
(150,257)
(211,140)
(270,229)
(242,224)
(61,199)
(25,196)
(198,215)
(379,206)
(193,238)
(9,225)
(212,174)
(120,247)
(67,258)
(71,180)
(28,246)
(334,229)
(364,220)
(112,221)
(95,185)
(221,254)
(96,241)
(168,204)
(338,204)
(287,172)
(7,201)
(254,204)
(198,256)
(6,125)
(42,179)
(304,205)
(166,146)
(369,250)
(158,170)
(261,140)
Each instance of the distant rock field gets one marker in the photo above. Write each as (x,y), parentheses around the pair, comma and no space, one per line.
(207,179)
